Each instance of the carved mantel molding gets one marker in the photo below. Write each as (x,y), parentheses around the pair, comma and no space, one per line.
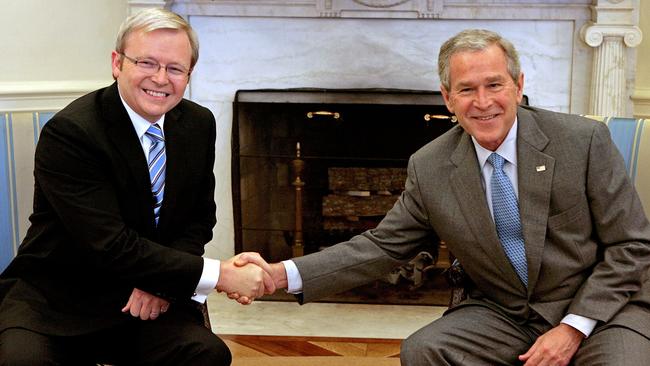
(399,9)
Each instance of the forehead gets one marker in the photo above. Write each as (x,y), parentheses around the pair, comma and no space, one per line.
(160,42)
(486,64)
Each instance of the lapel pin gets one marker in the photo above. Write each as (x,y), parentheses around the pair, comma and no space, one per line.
(540,168)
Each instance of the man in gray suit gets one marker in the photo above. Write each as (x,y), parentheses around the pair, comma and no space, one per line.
(561,278)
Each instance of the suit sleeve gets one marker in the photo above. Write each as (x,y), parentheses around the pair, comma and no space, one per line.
(621,229)
(399,236)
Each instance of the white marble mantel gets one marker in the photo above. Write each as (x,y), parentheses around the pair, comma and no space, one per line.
(577,55)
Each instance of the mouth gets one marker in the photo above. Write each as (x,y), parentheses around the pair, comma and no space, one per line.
(155,94)
(486,118)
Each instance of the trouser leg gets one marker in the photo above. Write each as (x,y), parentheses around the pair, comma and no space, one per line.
(471,335)
(613,346)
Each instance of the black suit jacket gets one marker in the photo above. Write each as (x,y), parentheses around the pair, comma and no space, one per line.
(92,237)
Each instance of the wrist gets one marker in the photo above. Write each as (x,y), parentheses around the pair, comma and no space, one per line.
(224,273)
(279,274)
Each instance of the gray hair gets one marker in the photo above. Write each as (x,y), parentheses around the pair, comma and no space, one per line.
(151,19)
(476,40)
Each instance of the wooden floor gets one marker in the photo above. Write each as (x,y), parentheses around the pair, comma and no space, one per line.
(243,346)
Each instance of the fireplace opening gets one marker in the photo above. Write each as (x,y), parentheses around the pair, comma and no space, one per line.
(313,167)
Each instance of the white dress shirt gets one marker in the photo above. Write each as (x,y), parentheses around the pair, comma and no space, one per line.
(211,267)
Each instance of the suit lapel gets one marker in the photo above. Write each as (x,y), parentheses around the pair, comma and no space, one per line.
(468,189)
(535,172)
(177,141)
(120,131)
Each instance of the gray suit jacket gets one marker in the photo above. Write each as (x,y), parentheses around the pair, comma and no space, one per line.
(586,235)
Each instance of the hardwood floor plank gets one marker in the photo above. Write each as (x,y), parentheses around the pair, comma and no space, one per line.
(344,348)
(243,346)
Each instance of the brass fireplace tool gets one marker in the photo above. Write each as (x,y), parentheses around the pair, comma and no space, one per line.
(298,166)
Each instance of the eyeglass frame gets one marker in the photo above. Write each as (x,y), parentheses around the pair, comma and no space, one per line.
(154,63)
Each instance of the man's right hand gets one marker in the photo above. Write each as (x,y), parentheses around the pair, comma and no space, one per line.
(276,271)
(250,279)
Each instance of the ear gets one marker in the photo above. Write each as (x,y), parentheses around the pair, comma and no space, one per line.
(116,64)
(520,88)
(445,97)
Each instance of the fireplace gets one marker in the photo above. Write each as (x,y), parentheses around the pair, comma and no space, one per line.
(341,155)
(353,149)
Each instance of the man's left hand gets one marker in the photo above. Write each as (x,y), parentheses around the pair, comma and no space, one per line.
(554,348)
(145,305)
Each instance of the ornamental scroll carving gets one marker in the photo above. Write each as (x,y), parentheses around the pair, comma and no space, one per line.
(382,8)
(381,3)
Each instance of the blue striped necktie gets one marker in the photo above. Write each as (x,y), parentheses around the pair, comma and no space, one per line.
(157,161)
(506,217)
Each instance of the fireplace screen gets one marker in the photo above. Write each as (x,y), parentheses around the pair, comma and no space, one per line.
(312,167)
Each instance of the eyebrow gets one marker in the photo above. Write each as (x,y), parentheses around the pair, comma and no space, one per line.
(489,79)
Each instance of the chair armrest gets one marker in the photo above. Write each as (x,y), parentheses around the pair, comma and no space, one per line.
(457,280)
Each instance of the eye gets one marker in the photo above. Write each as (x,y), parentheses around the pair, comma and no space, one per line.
(147,64)
(176,70)
(495,86)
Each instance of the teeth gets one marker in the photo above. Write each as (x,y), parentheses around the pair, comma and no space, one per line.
(487,117)
(155,93)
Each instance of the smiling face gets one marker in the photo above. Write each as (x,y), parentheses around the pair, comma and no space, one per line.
(483,95)
(152,95)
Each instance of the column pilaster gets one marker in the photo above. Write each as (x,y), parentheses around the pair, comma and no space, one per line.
(610,33)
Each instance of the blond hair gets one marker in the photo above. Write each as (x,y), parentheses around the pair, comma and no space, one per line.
(151,19)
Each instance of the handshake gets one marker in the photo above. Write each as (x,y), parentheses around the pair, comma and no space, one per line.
(247,276)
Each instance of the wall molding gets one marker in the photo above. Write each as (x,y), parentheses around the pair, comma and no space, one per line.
(31,96)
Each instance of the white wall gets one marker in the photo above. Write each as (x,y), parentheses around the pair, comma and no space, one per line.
(61,40)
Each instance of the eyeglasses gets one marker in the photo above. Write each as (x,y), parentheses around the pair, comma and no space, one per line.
(151,66)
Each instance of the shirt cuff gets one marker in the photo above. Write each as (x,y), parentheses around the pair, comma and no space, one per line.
(294,281)
(581,323)
(208,280)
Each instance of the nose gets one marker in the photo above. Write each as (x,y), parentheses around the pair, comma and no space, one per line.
(160,76)
(482,100)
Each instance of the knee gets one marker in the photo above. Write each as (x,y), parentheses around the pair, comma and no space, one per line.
(219,353)
(210,350)
(13,352)
(407,352)
(19,356)
(415,351)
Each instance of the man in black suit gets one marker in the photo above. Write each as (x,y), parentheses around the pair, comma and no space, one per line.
(111,269)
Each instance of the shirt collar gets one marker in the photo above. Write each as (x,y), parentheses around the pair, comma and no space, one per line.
(140,124)
(507,149)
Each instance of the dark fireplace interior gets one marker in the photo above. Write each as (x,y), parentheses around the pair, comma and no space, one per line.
(346,151)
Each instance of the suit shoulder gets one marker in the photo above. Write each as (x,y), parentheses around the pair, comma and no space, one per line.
(82,106)
(82,113)
(442,145)
(190,107)
(558,122)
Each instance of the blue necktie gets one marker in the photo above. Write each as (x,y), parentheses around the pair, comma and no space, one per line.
(506,217)
(157,160)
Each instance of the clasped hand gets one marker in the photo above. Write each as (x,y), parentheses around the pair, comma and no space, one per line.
(247,276)
(243,277)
